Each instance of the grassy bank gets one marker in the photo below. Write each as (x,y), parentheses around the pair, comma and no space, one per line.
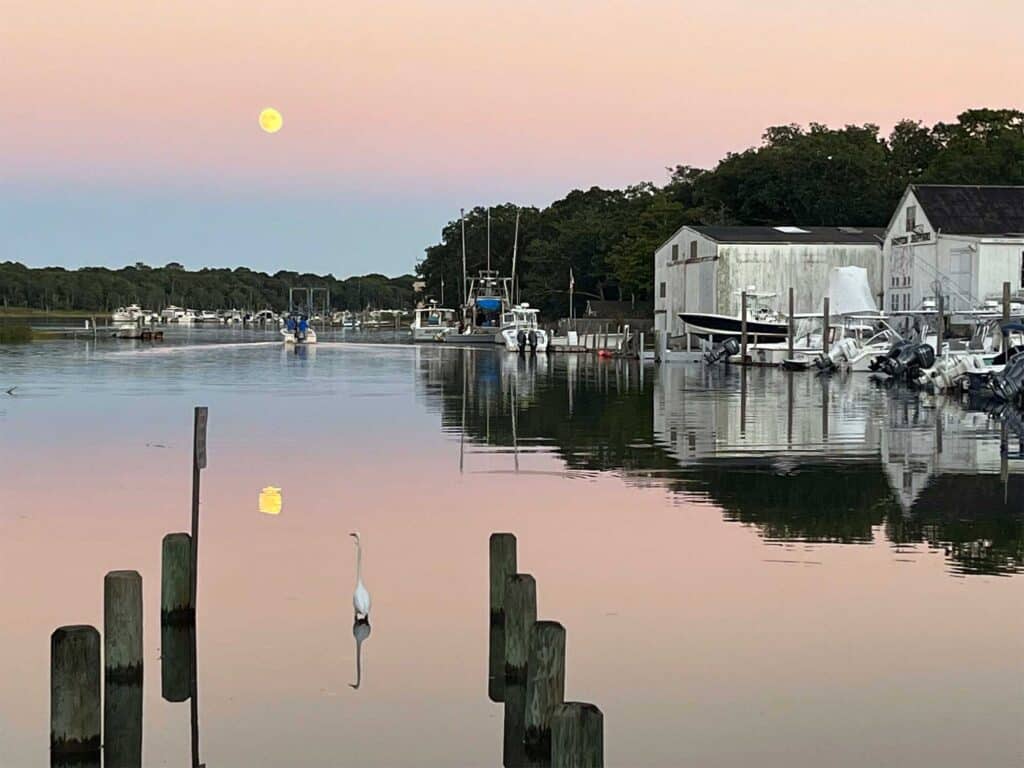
(15,334)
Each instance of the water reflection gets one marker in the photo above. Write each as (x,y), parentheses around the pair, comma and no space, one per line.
(360,631)
(799,457)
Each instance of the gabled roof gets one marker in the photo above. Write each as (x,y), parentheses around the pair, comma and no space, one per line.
(967,210)
(794,235)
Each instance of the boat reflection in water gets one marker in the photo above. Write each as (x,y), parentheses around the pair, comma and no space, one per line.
(798,457)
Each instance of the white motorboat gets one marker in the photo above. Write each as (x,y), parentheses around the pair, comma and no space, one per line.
(187,317)
(297,330)
(433,323)
(207,316)
(764,324)
(520,331)
(128,314)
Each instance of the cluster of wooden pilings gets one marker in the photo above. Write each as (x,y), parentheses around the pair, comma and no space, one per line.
(76,717)
(77,710)
(527,673)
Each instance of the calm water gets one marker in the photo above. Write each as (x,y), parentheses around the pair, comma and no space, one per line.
(753,569)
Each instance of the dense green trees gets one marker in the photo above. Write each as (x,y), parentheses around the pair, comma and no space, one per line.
(814,176)
(99,289)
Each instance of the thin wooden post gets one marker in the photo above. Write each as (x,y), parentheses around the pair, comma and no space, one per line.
(502,565)
(792,323)
(122,724)
(198,464)
(176,580)
(824,326)
(940,305)
(75,691)
(1006,301)
(545,685)
(122,626)
(577,736)
(743,328)
(520,616)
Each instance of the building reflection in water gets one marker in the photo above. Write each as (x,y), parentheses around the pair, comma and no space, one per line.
(799,457)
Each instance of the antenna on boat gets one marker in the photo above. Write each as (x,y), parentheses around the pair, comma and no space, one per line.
(515,249)
(462,218)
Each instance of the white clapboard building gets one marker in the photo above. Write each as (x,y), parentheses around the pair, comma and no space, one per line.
(706,268)
(963,240)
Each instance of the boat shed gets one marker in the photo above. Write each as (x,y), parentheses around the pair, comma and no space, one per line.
(965,240)
(706,268)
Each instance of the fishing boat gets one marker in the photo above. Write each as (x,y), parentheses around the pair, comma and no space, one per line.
(520,331)
(296,329)
(488,299)
(763,323)
(433,323)
(128,314)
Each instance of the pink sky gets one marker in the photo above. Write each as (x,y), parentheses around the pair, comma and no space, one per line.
(447,93)
(398,114)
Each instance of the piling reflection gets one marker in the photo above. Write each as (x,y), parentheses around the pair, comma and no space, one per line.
(122,725)
(798,457)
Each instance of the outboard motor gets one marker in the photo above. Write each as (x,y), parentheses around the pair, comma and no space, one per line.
(722,351)
(910,359)
(1008,384)
(531,338)
(521,341)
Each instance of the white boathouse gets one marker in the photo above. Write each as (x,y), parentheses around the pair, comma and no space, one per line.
(706,268)
(963,240)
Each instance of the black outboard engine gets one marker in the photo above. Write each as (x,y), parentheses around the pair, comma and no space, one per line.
(907,360)
(723,351)
(531,338)
(1008,384)
(521,341)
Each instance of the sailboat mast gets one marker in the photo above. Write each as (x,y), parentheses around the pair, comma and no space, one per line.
(488,239)
(515,249)
(465,289)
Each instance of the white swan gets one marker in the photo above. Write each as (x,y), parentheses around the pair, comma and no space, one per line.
(360,597)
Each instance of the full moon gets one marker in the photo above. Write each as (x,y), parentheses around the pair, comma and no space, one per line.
(270,120)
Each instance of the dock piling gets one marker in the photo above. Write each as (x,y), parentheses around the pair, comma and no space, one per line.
(1006,301)
(792,323)
(545,685)
(577,736)
(176,579)
(75,691)
(940,302)
(122,626)
(520,616)
(743,327)
(824,326)
(502,565)
(122,724)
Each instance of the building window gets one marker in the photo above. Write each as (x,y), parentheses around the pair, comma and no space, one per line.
(675,251)
(911,217)
(693,250)
(661,290)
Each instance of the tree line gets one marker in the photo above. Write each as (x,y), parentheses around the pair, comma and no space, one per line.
(100,289)
(816,175)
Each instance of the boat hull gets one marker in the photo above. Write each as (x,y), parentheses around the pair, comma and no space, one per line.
(510,338)
(723,326)
(437,333)
(490,337)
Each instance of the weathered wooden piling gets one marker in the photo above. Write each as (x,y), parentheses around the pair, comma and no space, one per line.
(792,323)
(122,626)
(743,328)
(502,565)
(545,685)
(577,736)
(824,326)
(176,661)
(940,330)
(75,691)
(176,579)
(1006,301)
(122,724)
(514,732)
(520,616)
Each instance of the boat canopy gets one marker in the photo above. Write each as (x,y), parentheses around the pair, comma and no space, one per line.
(489,303)
(849,292)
